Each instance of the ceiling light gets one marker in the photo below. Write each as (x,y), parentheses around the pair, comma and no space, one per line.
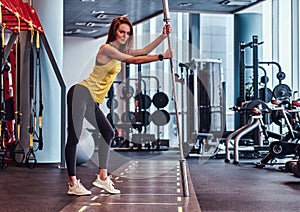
(92,24)
(80,23)
(97,24)
(237,2)
(88,0)
(100,14)
(103,15)
(185,4)
(77,31)
(97,12)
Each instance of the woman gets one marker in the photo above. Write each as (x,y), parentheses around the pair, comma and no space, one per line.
(84,97)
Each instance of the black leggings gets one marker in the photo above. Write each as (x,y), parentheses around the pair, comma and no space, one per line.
(81,105)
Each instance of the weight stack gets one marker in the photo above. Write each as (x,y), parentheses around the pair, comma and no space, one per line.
(208,95)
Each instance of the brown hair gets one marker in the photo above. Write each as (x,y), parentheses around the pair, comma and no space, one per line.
(116,22)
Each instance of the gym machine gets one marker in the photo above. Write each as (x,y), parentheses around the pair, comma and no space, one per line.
(255,121)
(287,143)
(204,99)
(254,93)
(253,106)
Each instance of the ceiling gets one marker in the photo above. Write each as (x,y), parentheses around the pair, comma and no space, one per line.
(91,18)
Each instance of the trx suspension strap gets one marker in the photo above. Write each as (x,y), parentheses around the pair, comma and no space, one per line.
(18,152)
(182,160)
(41,106)
(31,161)
(2,151)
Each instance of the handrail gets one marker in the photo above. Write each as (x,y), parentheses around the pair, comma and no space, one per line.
(63,96)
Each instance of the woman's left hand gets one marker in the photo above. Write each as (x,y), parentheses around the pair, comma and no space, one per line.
(167,29)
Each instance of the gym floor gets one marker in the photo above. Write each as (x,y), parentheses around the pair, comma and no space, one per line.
(150,180)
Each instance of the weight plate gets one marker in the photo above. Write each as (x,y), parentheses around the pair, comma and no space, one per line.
(264,79)
(266,97)
(143,118)
(127,92)
(160,100)
(282,91)
(144,101)
(255,103)
(112,103)
(278,117)
(113,119)
(280,75)
(128,117)
(267,119)
(160,117)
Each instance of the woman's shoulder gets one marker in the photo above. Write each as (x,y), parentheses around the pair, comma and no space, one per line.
(104,49)
(104,45)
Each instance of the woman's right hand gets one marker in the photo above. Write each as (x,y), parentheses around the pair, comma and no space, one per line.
(169,53)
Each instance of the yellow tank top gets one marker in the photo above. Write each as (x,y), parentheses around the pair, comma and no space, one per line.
(101,79)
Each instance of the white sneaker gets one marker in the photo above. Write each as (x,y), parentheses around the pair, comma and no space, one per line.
(78,189)
(107,185)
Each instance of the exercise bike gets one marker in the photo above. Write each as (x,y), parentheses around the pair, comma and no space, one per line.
(285,144)
(254,121)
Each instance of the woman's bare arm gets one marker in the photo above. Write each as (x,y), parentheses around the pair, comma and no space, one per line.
(110,52)
(151,46)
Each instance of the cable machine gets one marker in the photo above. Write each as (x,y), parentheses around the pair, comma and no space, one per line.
(205,103)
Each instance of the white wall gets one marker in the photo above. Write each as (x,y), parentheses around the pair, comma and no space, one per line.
(53,26)
(79,58)
(75,58)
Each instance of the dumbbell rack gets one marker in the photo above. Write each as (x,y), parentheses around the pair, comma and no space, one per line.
(141,117)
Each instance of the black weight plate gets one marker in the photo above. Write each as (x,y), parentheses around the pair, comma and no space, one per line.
(144,101)
(127,92)
(268,97)
(113,120)
(278,117)
(160,117)
(143,118)
(280,75)
(255,103)
(112,102)
(160,100)
(128,117)
(267,119)
(282,91)
(264,79)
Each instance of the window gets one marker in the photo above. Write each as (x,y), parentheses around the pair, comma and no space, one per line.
(280,37)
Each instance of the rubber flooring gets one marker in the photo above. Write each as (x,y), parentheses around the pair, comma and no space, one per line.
(151,181)
(224,186)
(148,181)
(147,185)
